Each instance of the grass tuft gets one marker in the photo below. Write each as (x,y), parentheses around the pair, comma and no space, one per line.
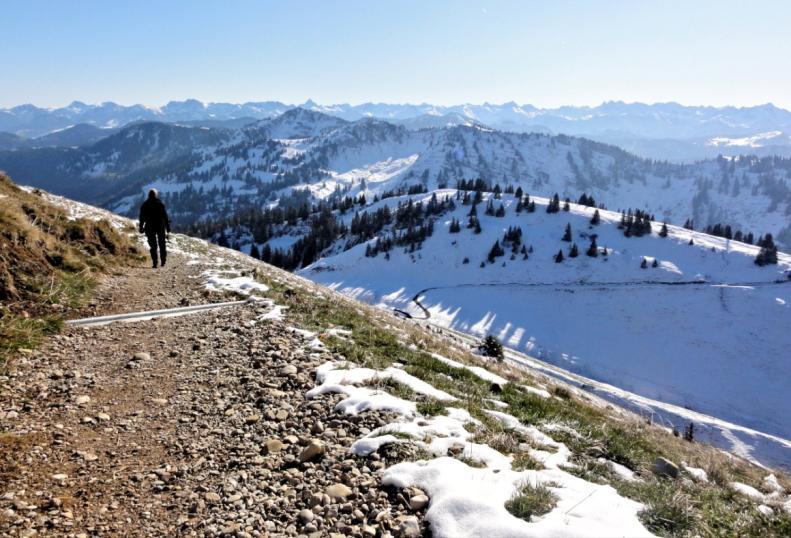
(531,501)
(431,407)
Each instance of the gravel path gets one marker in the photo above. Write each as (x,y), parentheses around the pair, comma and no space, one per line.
(195,425)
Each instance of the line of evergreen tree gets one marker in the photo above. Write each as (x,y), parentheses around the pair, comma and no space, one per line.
(554,204)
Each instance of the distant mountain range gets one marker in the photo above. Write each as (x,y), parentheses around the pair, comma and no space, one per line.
(661,131)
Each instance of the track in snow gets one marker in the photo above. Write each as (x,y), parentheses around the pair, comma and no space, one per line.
(584,285)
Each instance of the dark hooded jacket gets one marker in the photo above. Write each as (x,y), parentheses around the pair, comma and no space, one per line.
(154,217)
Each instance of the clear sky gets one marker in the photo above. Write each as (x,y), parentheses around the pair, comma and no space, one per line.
(550,53)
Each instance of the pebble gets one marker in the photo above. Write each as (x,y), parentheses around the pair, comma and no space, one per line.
(288,369)
(418,502)
(314,449)
(409,528)
(273,446)
(306,515)
(338,491)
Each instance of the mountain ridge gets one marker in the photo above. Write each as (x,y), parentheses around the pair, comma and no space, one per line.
(632,125)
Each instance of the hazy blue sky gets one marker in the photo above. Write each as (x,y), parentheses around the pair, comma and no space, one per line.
(445,52)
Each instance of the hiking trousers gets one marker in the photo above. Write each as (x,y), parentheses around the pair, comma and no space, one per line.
(156,240)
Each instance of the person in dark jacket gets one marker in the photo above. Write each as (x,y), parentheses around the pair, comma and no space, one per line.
(154,222)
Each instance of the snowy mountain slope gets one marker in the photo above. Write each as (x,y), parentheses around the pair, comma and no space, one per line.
(303,155)
(662,130)
(706,329)
(311,152)
(94,172)
(430,121)
(82,134)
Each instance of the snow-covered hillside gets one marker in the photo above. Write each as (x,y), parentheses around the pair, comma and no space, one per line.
(706,329)
(303,152)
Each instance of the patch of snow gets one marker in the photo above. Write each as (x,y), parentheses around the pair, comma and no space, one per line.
(337,375)
(244,285)
(275,314)
(497,403)
(747,141)
(765,510)
(771,485)
(542,393)
(483,373)
(623,472)
(747,491)
(466,501)
(698,474)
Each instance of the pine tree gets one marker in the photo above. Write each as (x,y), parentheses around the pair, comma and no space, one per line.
(266,254)
(254,252)
(689,433)
(573,251)
(491,347)
(644,264)
(596,218)
(559,256)
(455,226)
(495,251)
(655,263)
(766,256)
(593,249)
(554,204)
(691,241)
(566,205)
(567,234)
(768,252)
(489,208)
(500,211)
(663,231)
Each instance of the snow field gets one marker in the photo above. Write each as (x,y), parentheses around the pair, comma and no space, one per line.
(705,331)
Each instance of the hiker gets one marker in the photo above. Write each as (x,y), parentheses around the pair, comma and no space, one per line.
(155,224)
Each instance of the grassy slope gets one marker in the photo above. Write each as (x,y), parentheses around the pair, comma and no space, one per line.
(680,507)
(48,265)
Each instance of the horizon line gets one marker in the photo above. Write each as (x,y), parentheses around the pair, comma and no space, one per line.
(311,101)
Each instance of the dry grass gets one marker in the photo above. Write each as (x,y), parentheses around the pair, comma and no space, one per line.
(47,264)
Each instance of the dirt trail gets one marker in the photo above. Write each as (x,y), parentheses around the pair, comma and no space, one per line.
(189,425)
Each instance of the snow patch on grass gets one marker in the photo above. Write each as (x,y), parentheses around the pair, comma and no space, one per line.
(466,501)
(747,491)
(336,375)
(470,501)
(483,373)
(244,285)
